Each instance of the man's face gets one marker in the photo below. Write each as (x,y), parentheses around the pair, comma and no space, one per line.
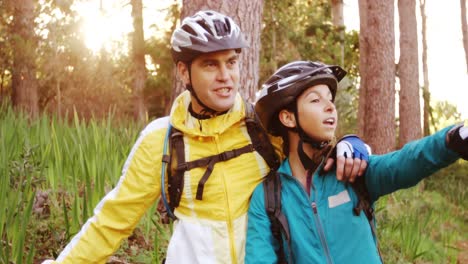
(215,79)
(317,112)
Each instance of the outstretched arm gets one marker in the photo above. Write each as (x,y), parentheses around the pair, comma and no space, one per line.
(406,167)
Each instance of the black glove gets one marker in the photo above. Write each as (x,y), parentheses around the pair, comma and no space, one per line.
(457,140)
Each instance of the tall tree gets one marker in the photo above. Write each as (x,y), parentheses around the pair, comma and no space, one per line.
(138,59)
(377,43)
(5,51)
(464,30)
(338,22)
(427,111)
(408,73)
(363,56)
(248,15)
(24,83)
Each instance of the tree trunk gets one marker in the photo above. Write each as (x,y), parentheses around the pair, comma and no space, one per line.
(24,83)
(408,73)
(138,58)
(426,94)
(378,77)
(248,15)
(363,56)
(338,22)
(464,30)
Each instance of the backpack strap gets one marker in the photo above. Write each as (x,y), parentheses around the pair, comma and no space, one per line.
(176,181)
(210,161)
(364,204)
(164,208)
(259,137)
(279,223)
(180,166)
(177,165)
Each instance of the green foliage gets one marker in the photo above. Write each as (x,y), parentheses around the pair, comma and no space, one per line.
(443,115)
(159,84)
(20,173)
(67,166)
(426,223)
(451,183)
(75,164)
(347,105)
(69,75)
(300,29)
(72,162)
(6,59)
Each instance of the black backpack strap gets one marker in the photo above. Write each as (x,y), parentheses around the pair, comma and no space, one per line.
(177,181)
(259,137)
(176,177)
(164,208)
(211,161)
(365,204)
(279,223)
(178,165)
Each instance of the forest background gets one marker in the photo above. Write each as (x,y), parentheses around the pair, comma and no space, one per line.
(72,104)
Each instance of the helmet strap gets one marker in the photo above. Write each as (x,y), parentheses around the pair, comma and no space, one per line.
(206,111)
(319,145)
(310,164)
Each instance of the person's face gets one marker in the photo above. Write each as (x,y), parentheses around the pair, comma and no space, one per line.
(317,113)
(215,79)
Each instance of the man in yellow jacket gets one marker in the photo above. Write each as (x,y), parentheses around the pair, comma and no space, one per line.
(211,117)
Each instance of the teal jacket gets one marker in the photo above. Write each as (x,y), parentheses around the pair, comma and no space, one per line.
(323,227)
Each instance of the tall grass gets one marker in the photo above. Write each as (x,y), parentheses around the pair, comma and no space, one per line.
(74,163)
(425,226)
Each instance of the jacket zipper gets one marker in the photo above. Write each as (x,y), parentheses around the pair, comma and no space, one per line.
(318,223)
(319,226)
(229,220)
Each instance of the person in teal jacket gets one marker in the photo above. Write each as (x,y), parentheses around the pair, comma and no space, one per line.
(297,103)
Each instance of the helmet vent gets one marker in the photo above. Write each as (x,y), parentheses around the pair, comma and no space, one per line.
(205,32)
(189,29)
(205,26)
(221,28)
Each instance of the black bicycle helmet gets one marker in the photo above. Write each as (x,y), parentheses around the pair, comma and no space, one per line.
(288,82)
(206,31)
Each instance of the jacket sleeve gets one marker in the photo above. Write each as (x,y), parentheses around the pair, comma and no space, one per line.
(120,210)
(260,244)
(406,167)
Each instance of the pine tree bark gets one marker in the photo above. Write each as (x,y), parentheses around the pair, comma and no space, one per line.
(378,75)
(464,30)
(363,56)
(338,22)
(426,94)
(138,58)
(24,83)
(408,73)
(248,15)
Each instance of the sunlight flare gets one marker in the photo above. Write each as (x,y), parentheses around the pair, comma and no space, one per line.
(104,24)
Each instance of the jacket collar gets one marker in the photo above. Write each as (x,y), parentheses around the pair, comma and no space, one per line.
(181,119)
(285,167)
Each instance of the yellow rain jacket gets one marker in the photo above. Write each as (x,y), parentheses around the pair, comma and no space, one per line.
(212,230)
